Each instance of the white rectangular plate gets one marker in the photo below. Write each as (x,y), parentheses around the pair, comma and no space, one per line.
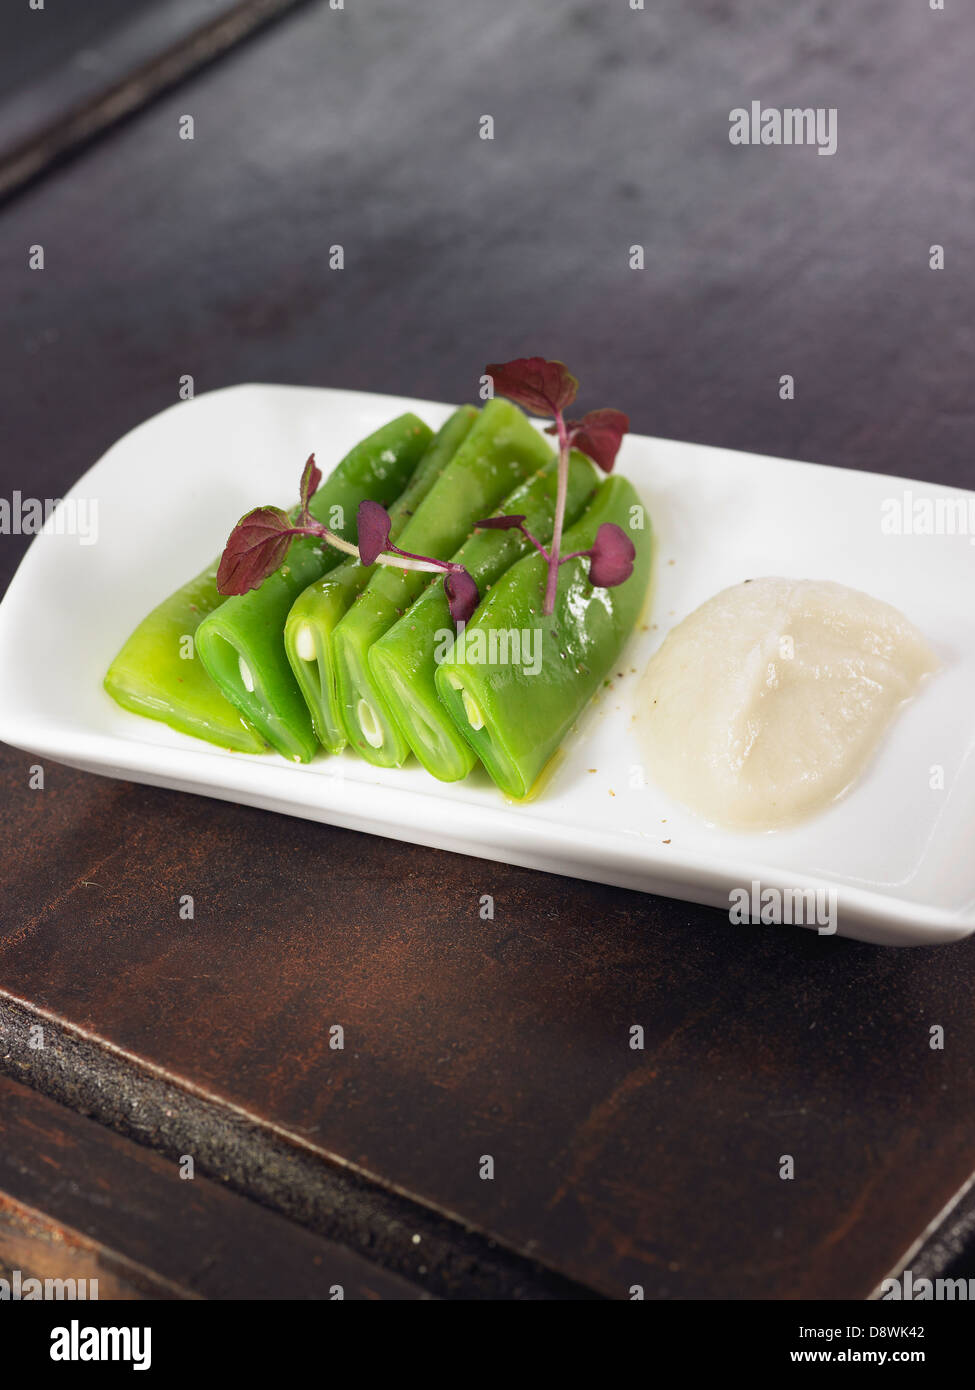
(896,851)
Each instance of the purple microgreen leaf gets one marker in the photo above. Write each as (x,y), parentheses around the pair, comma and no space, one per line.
(373,525)
(311,478)
(462,594)
(499,523)
(599,435)
(256,547)
(543,387)
(508,523)
(611,558)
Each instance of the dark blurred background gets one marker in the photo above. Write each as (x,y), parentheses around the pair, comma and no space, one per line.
(360,126)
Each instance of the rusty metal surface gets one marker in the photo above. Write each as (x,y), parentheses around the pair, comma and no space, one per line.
(509,1038)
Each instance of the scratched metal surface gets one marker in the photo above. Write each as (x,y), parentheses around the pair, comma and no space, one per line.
(510,1037)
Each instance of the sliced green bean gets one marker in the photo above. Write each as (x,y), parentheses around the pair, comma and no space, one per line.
(320,608)
(158,673)
(515,719)
(242,642)
(404,661)
(501,451)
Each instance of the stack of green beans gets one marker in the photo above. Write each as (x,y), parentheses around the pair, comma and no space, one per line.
(321,607)
(328,652)
(501,451)
(404,660)
(241,643)
(215,667)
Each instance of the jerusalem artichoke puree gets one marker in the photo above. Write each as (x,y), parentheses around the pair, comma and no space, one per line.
(768,701)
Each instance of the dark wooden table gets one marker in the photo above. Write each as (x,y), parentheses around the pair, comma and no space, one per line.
(164,1038)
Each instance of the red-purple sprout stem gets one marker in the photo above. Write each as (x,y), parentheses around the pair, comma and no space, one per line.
(552,584)
(535,541)
(400,559)
(426,561)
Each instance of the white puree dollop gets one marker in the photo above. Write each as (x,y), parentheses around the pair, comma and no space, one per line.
(767,702)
